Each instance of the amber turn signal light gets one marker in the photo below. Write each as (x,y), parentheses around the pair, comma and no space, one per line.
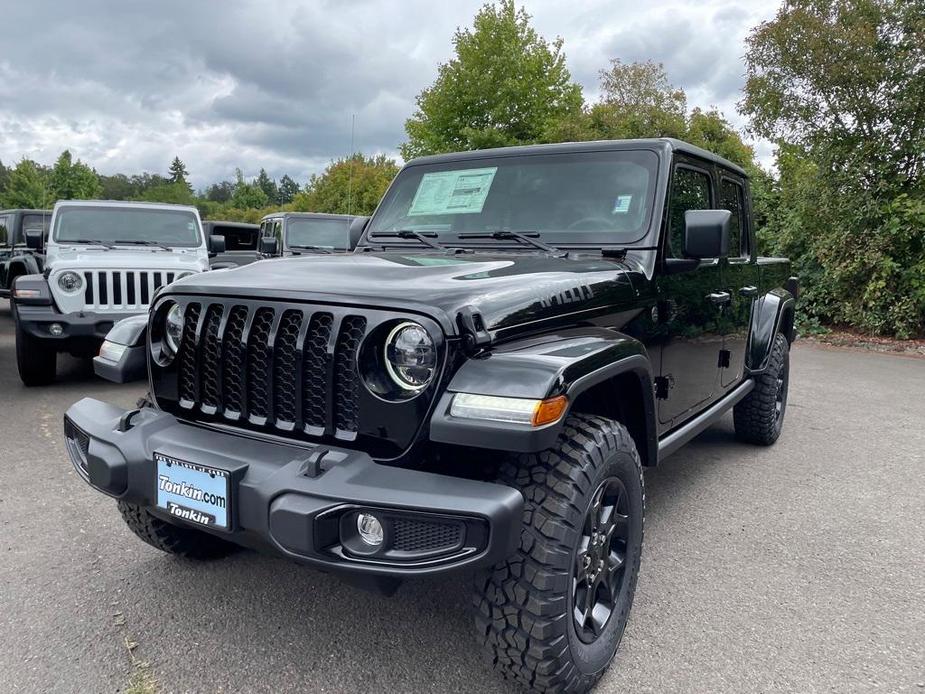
(549,410)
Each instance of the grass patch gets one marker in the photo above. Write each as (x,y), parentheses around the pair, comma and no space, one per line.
(142,680)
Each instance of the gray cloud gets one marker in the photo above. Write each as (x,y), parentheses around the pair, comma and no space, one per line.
(275,83)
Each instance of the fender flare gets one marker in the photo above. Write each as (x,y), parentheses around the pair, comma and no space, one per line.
(22,265)
(773,313)
(567,363)
(131,331)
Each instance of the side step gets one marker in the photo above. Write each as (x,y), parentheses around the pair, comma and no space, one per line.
(684,433)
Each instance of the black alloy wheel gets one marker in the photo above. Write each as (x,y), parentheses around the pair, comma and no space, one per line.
(600,560)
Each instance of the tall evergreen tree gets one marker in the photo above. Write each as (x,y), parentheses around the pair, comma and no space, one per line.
(268,186)
(288,189)
(178,173)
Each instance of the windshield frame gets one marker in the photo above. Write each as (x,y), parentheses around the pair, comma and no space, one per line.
(576,239)
(128,243)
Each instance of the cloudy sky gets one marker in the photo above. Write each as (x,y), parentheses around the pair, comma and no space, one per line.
(274,83)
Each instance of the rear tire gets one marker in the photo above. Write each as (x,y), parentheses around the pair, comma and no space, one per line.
(553,614)
(759,416)
(36,360)
(173,539)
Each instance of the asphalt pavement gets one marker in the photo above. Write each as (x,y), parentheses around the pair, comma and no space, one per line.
(796,568)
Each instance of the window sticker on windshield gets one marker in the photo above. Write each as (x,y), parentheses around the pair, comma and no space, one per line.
(622,204)
(452,192)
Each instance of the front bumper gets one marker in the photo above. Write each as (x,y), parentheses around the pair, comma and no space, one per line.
(37,321)
(292,499)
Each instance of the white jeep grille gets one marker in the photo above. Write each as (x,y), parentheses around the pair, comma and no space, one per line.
(121,290)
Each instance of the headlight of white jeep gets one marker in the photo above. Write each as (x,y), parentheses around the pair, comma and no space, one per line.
(70,282)
(410,356)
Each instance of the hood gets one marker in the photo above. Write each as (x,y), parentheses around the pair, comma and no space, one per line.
(505,289)
(84,257)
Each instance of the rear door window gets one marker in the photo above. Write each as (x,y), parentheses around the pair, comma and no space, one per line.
(732,198)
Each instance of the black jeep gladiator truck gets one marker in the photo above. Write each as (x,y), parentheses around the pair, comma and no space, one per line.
(477,387)
(16,256)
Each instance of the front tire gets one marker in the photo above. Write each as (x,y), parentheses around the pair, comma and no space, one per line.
(173,539)
(36,360)
(552,615)
(759,417)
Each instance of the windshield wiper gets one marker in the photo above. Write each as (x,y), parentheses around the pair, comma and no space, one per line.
(422,236)
(320,249)
(95,242)
(528,238)
(145,242)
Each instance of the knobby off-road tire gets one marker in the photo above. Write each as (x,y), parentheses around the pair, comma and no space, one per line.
(174,539)
(526,612)
(759,417)
(36,360)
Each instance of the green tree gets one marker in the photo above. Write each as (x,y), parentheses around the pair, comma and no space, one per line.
(117,187)
(638,100)
(247,195)
(220,192)
(506,86)
(4,177)
(73,180)
(178,173)
(267,185)
(851,137)
(288,189)
(28,186)
(353,185)
(177,193)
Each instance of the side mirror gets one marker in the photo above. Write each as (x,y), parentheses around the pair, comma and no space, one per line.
(355,231)
(706,233)
(216,245)
(34,239)
(268,245)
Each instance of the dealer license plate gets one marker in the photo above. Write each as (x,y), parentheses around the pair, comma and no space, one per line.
(192,492)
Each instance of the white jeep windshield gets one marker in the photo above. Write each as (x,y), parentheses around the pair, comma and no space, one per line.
(575,197)
(127,225)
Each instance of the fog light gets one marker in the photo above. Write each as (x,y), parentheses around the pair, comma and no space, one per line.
(370,529)
(56,329)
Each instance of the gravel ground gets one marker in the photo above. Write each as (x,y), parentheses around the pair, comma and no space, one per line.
(797,568)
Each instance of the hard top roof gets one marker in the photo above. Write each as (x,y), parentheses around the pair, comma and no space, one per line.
(663,144)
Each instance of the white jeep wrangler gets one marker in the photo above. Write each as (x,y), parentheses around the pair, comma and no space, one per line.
(104,262)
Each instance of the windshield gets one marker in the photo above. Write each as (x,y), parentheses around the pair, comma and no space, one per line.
(127,225)
(327,233)
(580,197)
(33,222)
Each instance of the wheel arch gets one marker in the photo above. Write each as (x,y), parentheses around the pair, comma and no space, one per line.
(600,371)
(774,312)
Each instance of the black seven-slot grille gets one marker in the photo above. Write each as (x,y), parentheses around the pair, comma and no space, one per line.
(290,368)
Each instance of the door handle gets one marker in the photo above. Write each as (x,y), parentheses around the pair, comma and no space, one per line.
(748,291)
(719,298)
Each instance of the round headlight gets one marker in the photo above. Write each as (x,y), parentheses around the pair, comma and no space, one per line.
(173,328)
(410,356)
(70,282)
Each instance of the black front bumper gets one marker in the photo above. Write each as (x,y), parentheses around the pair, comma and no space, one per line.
(84,325)
(294,500)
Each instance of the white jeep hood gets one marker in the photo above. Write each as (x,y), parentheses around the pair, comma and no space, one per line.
(121,280)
